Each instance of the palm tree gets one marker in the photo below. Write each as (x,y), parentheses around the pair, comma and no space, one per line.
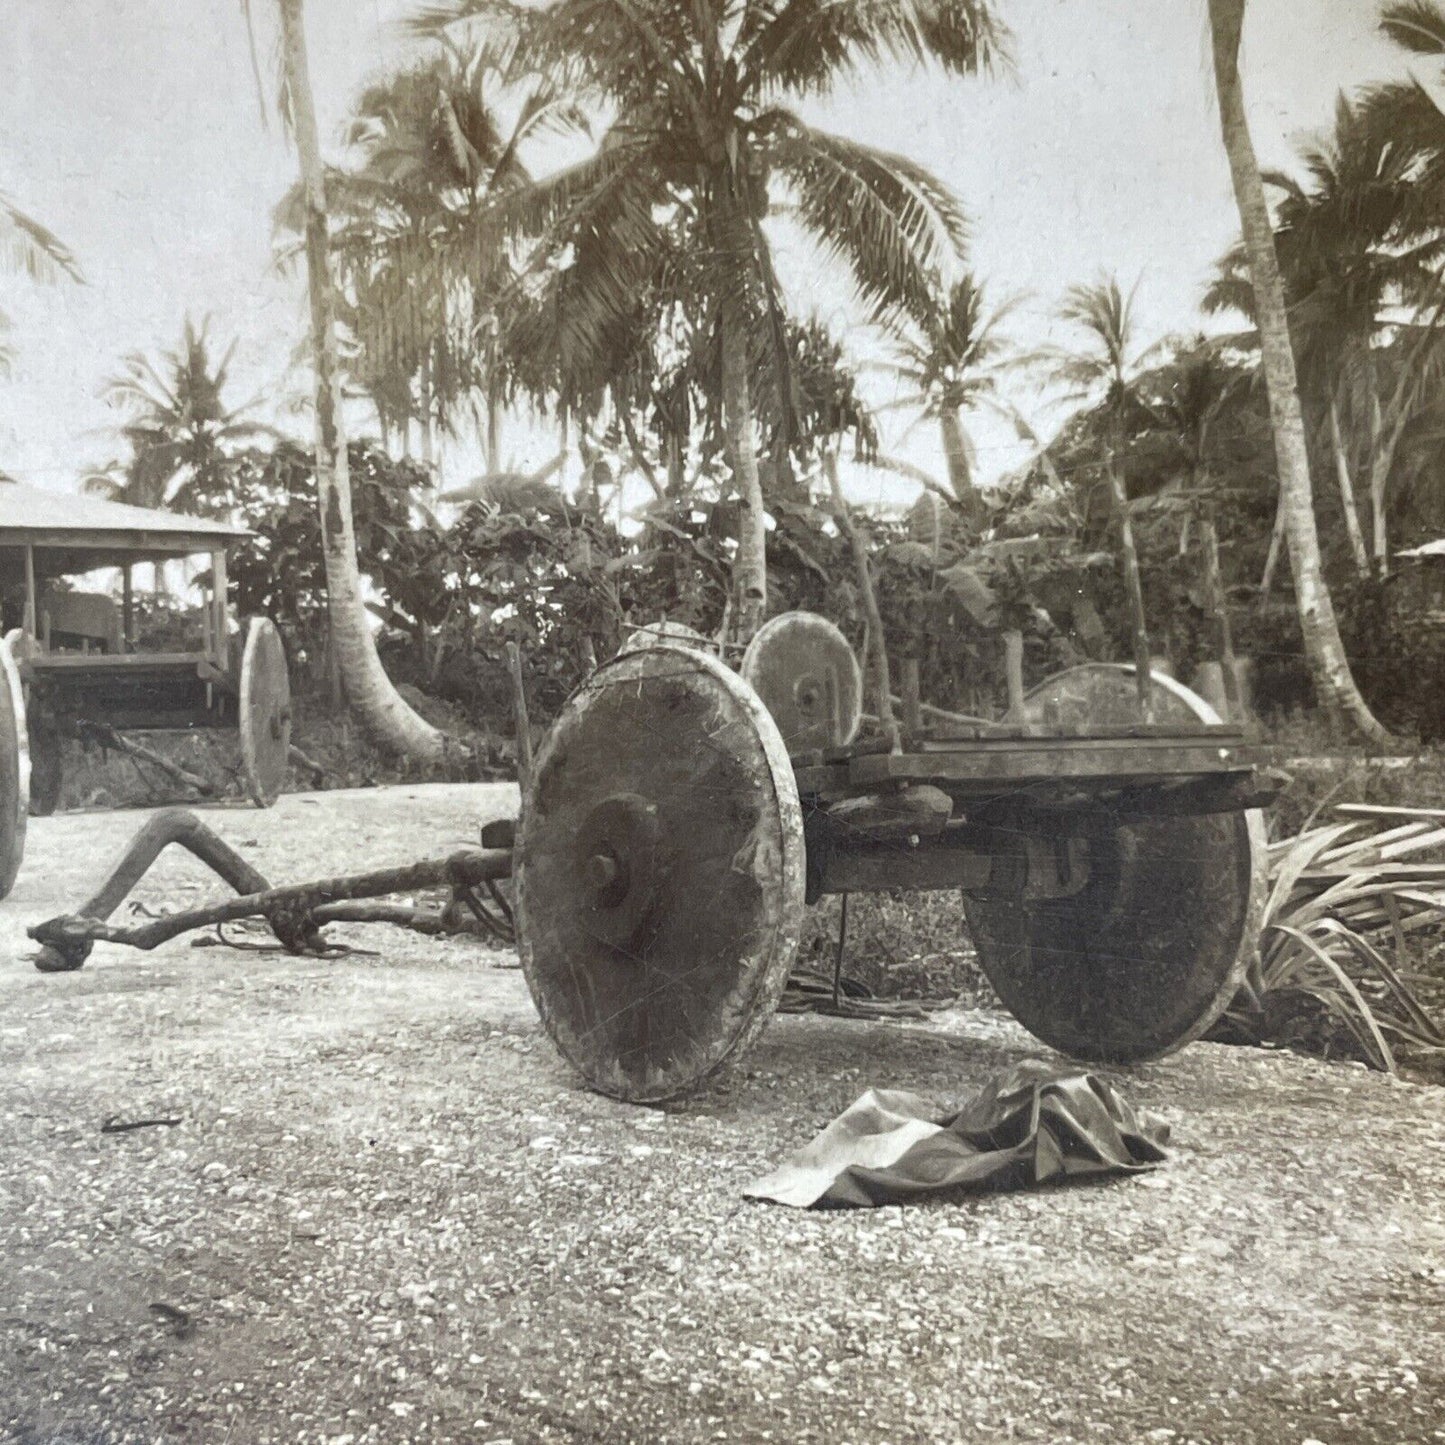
(367,686)
(1106,368)
(1362,286)
(951,354)
(700,145)
(1329,666)
(431,153)
(1105,371)
(1406,114)
(182,433)
(1187,403)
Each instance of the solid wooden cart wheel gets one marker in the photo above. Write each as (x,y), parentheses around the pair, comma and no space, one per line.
(806,673)
(265,713)
(14,771)
(659,871)
(1151,949)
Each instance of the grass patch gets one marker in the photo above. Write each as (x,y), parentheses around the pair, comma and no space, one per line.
(900,946)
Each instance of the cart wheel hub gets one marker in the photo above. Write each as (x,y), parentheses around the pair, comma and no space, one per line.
(617,853)
(601,871)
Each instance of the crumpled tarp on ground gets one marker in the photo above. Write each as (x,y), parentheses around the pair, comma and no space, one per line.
(1025,1127)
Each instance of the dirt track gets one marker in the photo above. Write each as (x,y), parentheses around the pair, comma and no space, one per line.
(389,1213)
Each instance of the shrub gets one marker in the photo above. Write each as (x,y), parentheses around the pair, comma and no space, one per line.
(1342,897)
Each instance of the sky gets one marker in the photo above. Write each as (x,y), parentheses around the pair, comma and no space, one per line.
(133,129)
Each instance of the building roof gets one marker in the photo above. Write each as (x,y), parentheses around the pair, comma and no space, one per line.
(94,532)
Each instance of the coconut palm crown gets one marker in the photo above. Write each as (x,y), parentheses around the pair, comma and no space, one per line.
(952,354)
(1360,262)
(700,143)
(1350,248)
(182,431)
(428,151)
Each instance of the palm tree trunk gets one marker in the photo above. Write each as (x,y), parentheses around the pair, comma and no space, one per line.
(676,473)
(1013,668)
(1271,558)
(1387,435)
(428,430)
(1347,492)
(377,703)
(494,430)
(911,701)
(1381,458)
(1134,589)
(1329,667)
(750,570)
(1401,410)
(1218,605)
(960,472)
(875,645)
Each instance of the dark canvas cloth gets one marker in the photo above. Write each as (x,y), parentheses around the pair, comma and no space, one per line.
(1025,1127)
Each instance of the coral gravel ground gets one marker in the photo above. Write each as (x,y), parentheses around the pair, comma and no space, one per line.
(389,1213)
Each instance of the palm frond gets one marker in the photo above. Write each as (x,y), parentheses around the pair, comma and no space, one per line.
(27,246)
(1231,288)
(804,45)
(631,51)
(891,221)
(576,309)
(1102,310)
(1105,364)
(1078,373)
(432,21)
(955,347)
(100,484)
(1415,25)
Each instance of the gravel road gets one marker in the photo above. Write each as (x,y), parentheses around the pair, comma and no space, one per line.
(388,1213)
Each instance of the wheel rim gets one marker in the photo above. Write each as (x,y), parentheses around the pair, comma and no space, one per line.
(652,633)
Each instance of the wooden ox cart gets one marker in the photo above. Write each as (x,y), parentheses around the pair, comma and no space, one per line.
(679,816)
(72,668)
